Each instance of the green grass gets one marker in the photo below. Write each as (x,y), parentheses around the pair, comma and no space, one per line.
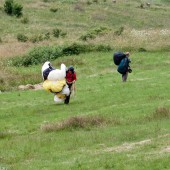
(108,124)
(76,22)
(135,135)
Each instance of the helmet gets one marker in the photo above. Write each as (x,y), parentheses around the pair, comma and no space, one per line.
(71,68)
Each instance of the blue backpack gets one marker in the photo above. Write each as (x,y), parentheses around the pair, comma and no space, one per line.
(123,66)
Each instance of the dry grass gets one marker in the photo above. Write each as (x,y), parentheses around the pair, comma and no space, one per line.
(160,113)
(6,134)
(77,122)
(38,5)
(130,39)
(134,39)
(13,49)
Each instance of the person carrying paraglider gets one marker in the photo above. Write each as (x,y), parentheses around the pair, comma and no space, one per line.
(123,61)
(71,81)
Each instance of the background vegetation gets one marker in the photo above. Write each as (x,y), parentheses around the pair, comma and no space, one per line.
(108,124)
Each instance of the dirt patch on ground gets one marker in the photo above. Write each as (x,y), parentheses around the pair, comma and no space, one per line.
(31,87)
(127,146)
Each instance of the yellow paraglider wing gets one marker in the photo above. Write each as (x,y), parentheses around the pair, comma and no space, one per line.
(54,86)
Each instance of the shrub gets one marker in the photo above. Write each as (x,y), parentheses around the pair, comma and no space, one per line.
(47,36)
(56,32)
(36,38)
(22,37)
(77,49)
(38,55)
(53,9)
(41,54)
(8,7)
(82,48)
(142,50)
(17,10)
(119,31)
(12,8)
(89,2)
(93,34)
(24,20)
(96,1)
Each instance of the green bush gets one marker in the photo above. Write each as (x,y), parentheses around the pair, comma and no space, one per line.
(94,33)
(22,37)
(17,10)
(54,9)
(76,49)
(83,48)
(38,55)
(56,32)
(41,54)
(8,6)
(12,8)
(36,38)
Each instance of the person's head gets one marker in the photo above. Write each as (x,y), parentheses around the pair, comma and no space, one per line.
(127,54)
(71,69)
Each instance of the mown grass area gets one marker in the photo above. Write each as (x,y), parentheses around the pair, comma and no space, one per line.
(107,125)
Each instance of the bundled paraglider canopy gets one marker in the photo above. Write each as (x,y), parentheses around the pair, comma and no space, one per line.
(55,82)
(117,57)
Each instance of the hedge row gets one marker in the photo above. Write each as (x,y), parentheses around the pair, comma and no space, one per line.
(39,55)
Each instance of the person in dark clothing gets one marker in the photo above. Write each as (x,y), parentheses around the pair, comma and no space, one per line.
(124,67)
(125,75)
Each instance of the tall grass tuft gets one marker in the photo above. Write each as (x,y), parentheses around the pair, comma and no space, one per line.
(161,113)
(80,122)
(75,122)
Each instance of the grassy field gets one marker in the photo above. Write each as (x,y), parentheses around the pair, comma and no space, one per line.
(142,28)
(107,125)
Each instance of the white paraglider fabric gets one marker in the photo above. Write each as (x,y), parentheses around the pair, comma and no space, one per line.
(57,74)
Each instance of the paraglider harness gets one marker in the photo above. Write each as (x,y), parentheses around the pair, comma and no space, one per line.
(124,66)
(47,71)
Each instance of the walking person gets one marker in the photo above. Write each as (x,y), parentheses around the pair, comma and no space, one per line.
(71,81)
(125,63)
(122,60)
